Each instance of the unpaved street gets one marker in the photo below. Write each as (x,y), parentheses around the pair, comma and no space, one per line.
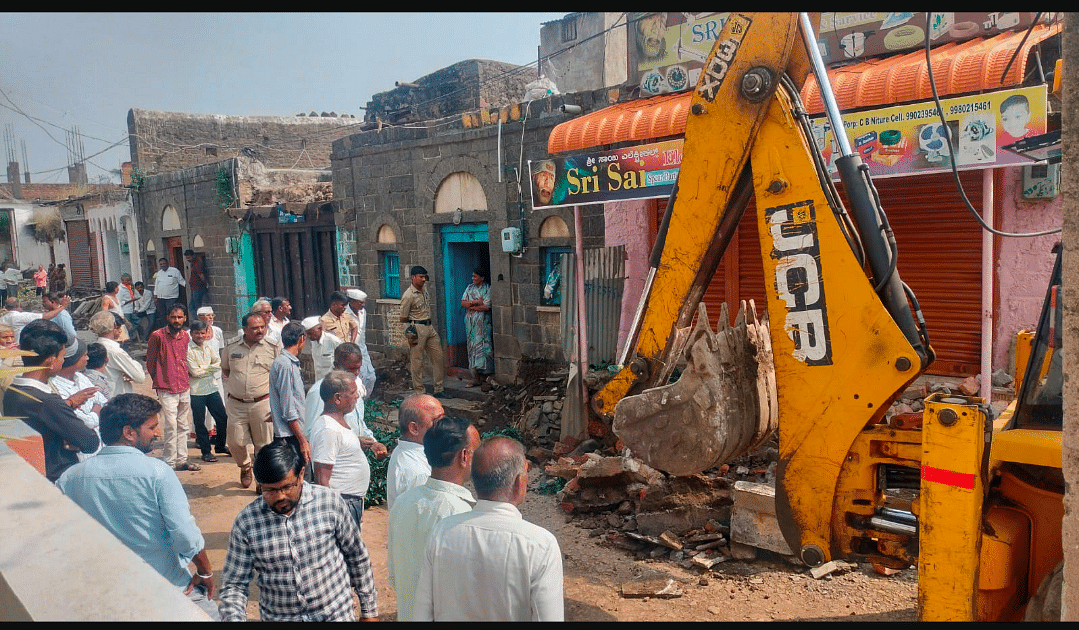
(763,590)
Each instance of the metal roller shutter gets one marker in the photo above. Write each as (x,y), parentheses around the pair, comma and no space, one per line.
(940,257)
(940,251)
(83,264)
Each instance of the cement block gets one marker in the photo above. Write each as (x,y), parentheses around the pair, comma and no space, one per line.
(753,519)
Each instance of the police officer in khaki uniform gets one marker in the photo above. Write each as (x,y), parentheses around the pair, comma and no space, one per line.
(336,321)
(416,314)
(245,364)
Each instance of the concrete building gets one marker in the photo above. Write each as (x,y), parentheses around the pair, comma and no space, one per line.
(95,220)
(584,51)
(463,86)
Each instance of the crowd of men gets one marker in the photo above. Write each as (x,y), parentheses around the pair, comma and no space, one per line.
(305,452)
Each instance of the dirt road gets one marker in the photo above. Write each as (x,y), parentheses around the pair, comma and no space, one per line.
(763,590)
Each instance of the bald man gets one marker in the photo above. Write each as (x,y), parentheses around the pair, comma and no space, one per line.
(408,465)
(514,568)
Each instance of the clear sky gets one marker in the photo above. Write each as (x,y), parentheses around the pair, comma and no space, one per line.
(88,70)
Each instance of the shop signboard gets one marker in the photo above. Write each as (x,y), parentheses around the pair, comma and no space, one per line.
(909,139)
(642,172)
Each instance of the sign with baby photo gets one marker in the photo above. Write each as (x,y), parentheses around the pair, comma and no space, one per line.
(911,139)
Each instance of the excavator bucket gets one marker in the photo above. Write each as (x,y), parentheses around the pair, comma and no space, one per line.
(723,406)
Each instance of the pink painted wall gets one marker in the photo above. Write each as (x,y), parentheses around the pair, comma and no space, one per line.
(1023,264)
(626,223)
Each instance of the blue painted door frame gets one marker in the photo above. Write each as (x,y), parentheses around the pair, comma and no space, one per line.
(464,247)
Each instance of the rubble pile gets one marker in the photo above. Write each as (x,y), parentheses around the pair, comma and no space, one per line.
(533,404)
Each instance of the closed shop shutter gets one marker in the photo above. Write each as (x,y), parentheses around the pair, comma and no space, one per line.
(83,265)
(940,253)
(940,257)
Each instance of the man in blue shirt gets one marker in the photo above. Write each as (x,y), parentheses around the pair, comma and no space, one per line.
(54,301)
(286,392)
(140,500)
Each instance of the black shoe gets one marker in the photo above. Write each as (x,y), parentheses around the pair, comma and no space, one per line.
(208,457)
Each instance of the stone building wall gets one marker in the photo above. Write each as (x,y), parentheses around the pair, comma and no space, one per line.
(193,194)
(168,141)
(463,86)
(391,177)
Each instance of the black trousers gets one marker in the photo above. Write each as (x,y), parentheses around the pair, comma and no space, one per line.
(199,405)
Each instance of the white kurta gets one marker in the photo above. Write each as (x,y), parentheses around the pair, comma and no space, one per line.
(367,372)
(121,369)
(408,468)
(490,565)
(411,520)
(322,353)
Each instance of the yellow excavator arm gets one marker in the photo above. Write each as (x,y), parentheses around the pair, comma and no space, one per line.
(841,339)
(844,344)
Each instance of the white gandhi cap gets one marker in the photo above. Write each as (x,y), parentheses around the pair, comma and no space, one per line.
(310,322)
(356,294)
(204,310)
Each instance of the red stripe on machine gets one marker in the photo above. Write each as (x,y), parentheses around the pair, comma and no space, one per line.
(949,477)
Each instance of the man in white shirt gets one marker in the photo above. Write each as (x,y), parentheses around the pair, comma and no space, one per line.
(121,369)
(145,309)
(280,309)
(408,465)
(322,345)
(513,568)
(217,342)
(346,357)
(357,309)
(336,451)
(167,283)
(17,318)
(11,278)
(449,446)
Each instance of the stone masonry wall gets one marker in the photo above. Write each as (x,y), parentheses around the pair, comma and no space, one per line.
(168,141)
(193,193)
(390,177)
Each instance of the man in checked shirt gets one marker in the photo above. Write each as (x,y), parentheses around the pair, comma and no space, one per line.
(305,545)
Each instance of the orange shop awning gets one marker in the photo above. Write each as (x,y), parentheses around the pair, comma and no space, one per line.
(958,68)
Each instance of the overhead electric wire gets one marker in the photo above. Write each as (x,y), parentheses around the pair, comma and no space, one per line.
(948,136)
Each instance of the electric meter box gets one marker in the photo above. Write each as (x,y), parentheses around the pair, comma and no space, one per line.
(511,240)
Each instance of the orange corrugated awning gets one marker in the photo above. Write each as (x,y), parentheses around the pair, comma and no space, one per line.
(958,68)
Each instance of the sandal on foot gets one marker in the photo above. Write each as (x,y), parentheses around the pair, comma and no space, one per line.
(189,466)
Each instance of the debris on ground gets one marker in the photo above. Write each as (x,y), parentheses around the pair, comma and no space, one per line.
(662,587)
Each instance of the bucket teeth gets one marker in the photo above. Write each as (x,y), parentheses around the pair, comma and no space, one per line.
(722,406)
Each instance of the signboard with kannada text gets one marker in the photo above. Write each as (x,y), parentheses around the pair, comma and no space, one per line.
(642,172)
(910,139)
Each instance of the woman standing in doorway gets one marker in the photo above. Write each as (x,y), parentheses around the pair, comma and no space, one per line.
(477,301)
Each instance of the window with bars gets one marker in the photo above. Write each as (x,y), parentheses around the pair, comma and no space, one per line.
(391,276)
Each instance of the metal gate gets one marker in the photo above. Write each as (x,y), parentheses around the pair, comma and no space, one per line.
(295,257)
(604,281)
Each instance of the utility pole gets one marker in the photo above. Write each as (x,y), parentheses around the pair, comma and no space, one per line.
(1070,238)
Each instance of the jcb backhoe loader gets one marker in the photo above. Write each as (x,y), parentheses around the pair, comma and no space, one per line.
(977,504)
